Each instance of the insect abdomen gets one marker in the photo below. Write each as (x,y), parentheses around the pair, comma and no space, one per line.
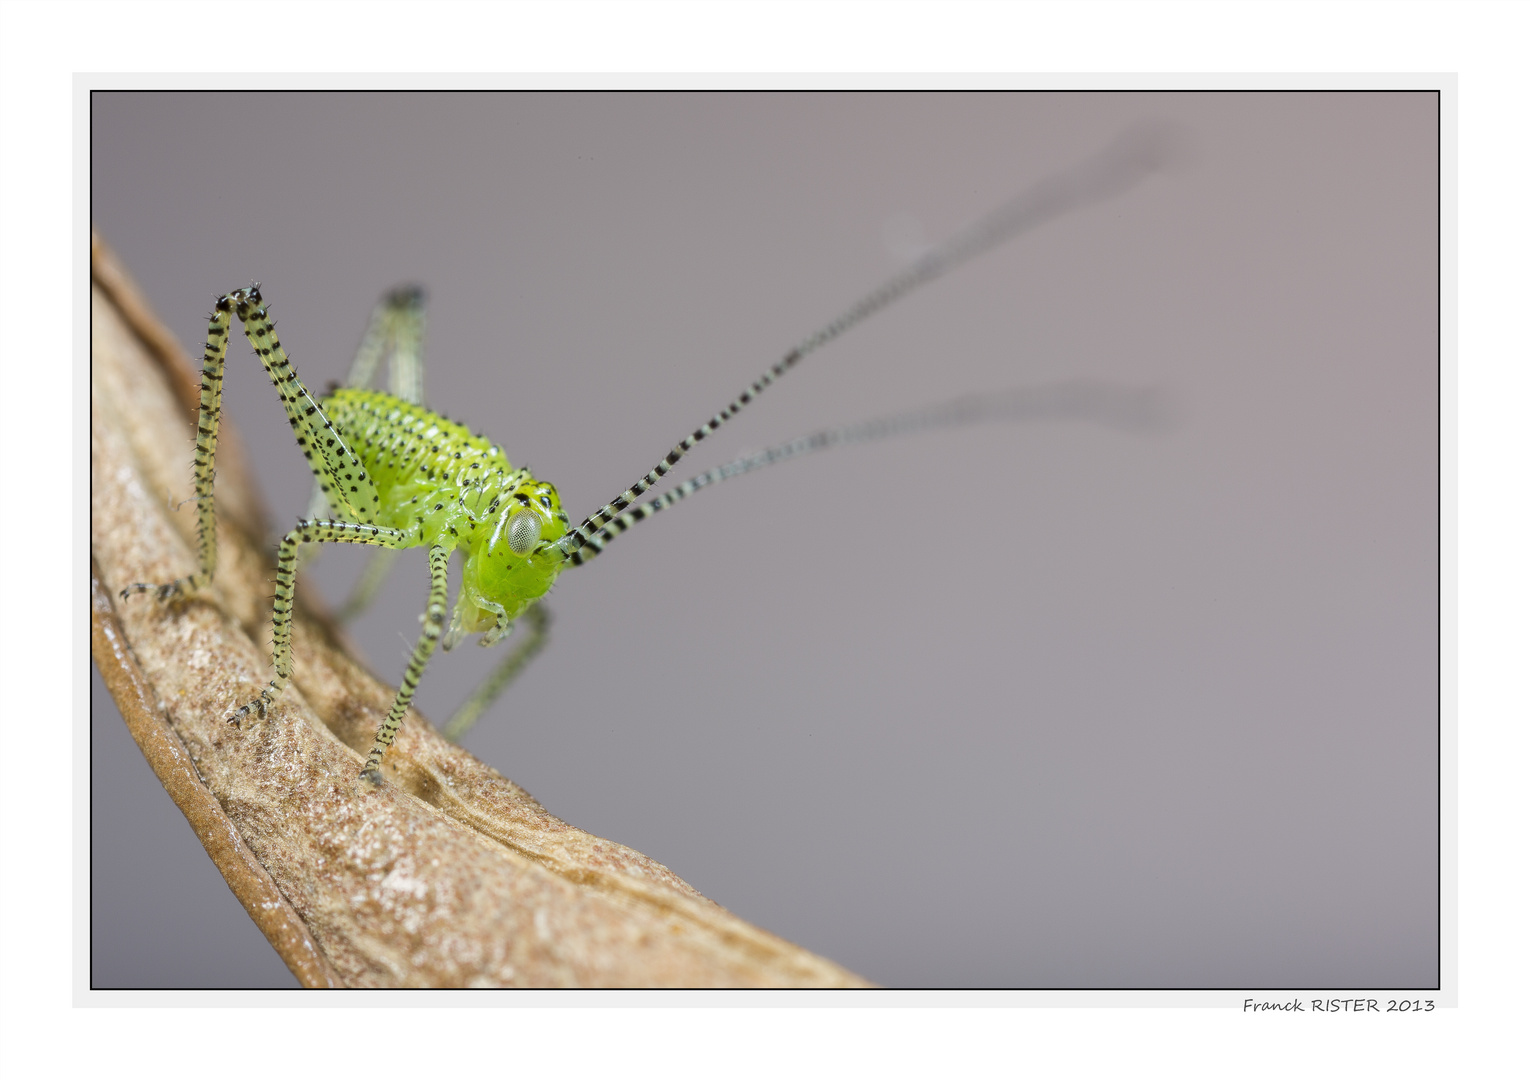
(412,454)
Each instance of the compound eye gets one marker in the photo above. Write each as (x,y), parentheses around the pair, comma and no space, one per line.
(524,532)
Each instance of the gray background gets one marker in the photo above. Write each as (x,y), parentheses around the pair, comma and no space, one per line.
(1043,705)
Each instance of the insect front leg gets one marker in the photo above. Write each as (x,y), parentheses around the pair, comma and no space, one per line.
(307,532)
(435,622)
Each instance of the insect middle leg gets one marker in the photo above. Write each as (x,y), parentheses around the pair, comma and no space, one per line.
(350,532)
(435,622)
(309,532)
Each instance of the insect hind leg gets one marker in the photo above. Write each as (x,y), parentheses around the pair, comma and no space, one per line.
(209,411)
(405,356)
(348,489)
(394,340)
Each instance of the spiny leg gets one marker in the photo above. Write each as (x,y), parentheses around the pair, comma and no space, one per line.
(394,336)
(347,487)
(537,619)
(209,412)
(394,339)
(406,355)
(435,620)
(403,352)
(308,532)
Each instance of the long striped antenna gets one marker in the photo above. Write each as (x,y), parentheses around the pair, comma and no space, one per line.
(1114,170)
(1132,408)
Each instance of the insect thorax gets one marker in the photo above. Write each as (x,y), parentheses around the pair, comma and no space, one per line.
(451,488)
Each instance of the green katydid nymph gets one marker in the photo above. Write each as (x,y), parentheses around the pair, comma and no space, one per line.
(392,474)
